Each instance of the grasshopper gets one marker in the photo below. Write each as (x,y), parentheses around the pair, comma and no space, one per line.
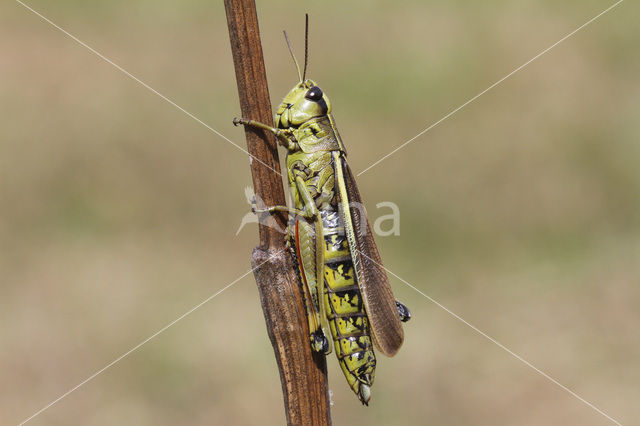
(346,290)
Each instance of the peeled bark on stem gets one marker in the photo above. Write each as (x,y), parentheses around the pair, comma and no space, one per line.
(302,371)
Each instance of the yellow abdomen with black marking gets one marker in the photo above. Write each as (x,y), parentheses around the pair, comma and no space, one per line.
(345,311)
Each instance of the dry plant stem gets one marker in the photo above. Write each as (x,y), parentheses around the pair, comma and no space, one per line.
(302,372)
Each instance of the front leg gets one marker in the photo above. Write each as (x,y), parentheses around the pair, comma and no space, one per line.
(285,136)
(253,123)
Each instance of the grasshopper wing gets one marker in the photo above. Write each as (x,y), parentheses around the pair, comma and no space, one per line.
(373,282)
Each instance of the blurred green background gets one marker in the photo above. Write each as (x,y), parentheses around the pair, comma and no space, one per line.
(521,213)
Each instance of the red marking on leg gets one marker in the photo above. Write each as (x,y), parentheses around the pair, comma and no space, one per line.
(302,274)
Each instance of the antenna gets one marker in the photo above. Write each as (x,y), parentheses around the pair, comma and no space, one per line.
(306,45)
(294,56)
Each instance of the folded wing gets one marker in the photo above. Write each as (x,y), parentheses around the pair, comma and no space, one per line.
(373,282)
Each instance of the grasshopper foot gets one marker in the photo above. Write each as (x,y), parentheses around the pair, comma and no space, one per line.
(237,121)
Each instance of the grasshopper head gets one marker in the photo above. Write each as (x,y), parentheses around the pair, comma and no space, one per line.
(303,102)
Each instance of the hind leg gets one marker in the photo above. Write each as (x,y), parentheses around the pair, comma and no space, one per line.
(403,312)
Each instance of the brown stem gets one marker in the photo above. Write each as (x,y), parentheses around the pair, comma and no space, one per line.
(302,371)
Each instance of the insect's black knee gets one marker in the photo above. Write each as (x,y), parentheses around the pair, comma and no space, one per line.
(403,311)
(320,341)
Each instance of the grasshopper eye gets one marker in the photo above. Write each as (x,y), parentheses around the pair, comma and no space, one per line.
(314,94)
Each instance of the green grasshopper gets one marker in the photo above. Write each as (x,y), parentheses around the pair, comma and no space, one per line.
(346,290)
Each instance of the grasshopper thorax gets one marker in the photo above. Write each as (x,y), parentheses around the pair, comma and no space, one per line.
(304,102)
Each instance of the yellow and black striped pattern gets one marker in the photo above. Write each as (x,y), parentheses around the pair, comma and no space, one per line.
(347,318)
